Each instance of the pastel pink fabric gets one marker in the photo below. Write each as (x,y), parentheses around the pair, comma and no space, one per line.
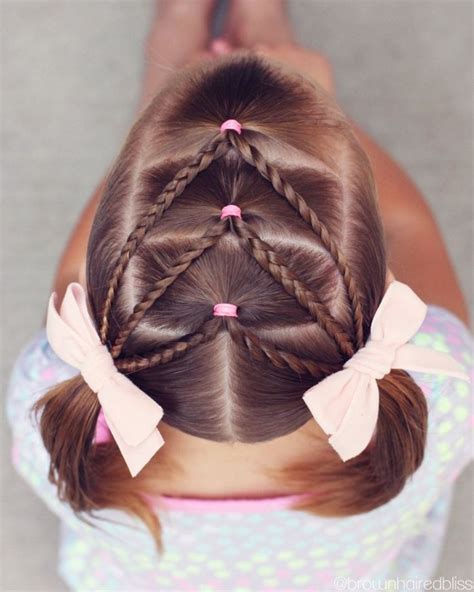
(231,124)
(231,210)
(102,432)
(198,505)
(345,404)
(129,413)
(224,309)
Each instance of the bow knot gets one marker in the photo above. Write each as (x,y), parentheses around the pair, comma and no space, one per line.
(374,359)
(97,367)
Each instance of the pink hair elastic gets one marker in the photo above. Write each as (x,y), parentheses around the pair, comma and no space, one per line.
(223,309)
(231,124)
(231,210)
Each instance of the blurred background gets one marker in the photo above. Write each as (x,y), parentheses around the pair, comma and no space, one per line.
(71,73)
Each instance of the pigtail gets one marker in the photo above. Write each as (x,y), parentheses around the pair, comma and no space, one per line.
(89,476)
(67,418)
(398,445)
(381,471)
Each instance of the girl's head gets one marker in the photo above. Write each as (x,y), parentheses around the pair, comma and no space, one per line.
(305,265)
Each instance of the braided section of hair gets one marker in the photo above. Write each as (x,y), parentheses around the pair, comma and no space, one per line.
(205,157)
(254,157)
(280,358)
(170,351)
(273,263)
(198,246)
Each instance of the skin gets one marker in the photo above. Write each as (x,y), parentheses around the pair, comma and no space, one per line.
(180,35)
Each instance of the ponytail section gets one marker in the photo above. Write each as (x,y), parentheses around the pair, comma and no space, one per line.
(89,477)
(399,442)
(379,473)
(67,424)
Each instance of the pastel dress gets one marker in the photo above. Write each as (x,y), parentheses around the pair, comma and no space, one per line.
(259,544)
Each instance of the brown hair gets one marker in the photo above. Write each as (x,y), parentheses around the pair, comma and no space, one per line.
(306,266)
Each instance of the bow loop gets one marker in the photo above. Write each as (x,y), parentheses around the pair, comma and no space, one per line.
(81,324)
(400,314)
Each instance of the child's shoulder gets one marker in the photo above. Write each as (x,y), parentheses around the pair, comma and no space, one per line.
(445,331)
(450,400)
(35,369)
(37,360)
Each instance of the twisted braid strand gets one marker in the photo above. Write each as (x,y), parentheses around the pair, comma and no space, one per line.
(173,189)
(170,351)
(273,263)
(198,246)
(278,357)
(254,157)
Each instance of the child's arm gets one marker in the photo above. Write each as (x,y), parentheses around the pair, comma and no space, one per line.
(417,252)
(75,251)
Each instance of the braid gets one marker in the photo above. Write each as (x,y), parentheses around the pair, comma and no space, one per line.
(277,357)
(267,258)
(170,351)
(173,189)
(273,263)
(198,246)
(253,157)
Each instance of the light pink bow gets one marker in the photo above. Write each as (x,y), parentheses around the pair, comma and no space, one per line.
(130,414)
(346,403)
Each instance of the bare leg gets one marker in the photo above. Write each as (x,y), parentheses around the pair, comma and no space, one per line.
(255,22)
(264,26)
(179,34)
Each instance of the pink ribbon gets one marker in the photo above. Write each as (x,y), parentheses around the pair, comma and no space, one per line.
(346,403)
(129,413)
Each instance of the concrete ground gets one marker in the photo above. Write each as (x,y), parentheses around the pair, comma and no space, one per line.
(70,79)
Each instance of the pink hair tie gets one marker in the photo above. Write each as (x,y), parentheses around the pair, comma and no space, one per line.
(231,124)
(231,210)
(223,309)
